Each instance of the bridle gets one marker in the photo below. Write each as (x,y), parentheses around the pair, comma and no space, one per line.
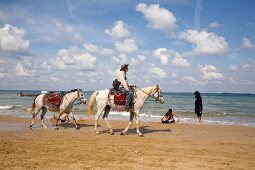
(153,95)
(80,96)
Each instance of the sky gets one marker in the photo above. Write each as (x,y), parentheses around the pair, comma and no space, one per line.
(182,45)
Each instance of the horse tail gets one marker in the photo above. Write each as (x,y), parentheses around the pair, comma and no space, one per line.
(92,101)
(30,110)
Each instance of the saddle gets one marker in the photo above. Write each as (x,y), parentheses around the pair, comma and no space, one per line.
(52,101)
(119,97)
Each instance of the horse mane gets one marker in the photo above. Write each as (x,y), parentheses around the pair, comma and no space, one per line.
(149,88)
(74,90)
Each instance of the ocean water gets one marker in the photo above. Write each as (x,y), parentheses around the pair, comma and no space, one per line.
(219,108)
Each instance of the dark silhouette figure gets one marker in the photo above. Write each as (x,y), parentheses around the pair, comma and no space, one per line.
(198,105)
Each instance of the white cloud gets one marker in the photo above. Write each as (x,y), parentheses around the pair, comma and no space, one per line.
(247,43)
(72,58)
(210,72)
(191,80)
(51,79)
(174,75)
(97,50)
(127,45)
(11,39)
(119,31)
(3,75)
(158,18)
(214,25)
(3,72)
(137,60)
(246,67)
(61,28)
(161,53)
(181,62)
(124,41)
(141,57)
(233,68)
(122,58)
(157,72)
(77,38)
(63,32)
(240,81)
(24,67)
(205,43)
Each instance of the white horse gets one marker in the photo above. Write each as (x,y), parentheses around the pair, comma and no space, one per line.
(66,106)
(105,103)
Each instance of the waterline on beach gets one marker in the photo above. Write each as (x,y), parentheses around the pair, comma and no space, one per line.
(219,109)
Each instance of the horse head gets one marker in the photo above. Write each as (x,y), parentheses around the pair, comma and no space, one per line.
(158,94)
(80,96)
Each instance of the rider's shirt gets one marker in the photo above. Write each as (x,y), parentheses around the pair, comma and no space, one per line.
(121,77)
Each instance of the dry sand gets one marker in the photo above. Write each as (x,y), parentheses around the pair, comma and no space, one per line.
(172,146)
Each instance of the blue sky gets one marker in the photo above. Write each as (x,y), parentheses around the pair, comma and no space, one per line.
(183,45)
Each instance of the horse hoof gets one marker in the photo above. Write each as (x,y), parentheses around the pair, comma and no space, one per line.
(77,128)
(97,133)
(30,126)
(111,132)
(140,134)
(123,133)
(56,128)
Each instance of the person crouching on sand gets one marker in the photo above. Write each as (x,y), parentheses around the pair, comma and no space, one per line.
(169,117)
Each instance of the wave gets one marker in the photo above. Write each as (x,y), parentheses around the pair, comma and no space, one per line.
(7,107)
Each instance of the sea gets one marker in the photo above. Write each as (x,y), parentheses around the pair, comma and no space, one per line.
(218,108)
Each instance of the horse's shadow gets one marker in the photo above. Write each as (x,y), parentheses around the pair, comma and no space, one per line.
(143,129)
(69,125)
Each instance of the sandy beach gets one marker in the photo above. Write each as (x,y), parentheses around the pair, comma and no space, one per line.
(171,146)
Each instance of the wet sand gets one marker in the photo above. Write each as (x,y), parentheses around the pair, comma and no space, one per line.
(164,146)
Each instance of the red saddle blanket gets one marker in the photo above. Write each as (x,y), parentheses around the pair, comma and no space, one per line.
(52,100)
(119,97)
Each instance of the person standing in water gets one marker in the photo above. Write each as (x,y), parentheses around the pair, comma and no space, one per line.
(198,105)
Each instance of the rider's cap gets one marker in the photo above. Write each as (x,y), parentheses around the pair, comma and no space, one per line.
(123,66)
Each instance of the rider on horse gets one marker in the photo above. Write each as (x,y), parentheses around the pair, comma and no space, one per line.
(124,87)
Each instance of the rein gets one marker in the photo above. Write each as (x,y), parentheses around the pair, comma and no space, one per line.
(72,103)
(152,96)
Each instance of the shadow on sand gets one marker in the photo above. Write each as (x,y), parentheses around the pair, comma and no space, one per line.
(143,129)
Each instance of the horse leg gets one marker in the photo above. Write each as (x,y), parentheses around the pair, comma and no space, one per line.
(99,112)
(131,117)
(33,116)
(58,118)
(137,124)
(106,113)
(76,126)
(44,110)
(96,122)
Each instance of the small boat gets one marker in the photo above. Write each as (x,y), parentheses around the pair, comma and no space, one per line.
(21,94)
